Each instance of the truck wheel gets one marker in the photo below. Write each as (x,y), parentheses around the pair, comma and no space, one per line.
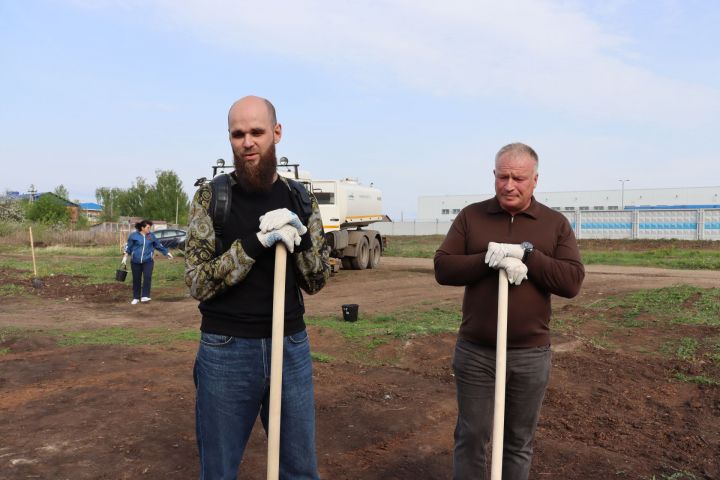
(346,264)
(362,255)
(375,253)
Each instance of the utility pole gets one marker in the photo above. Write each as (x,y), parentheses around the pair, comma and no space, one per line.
(622,192)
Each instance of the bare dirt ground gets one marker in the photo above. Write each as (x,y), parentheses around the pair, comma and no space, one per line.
(127,412)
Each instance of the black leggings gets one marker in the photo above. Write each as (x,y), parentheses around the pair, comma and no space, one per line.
(142,275)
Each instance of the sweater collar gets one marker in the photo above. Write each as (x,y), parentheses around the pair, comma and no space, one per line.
(533,211)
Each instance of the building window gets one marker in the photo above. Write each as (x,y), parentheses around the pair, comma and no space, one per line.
(456,210)
(613,207)
(569,208)
(556,208)
(445,211)
(598,208)
(584,208)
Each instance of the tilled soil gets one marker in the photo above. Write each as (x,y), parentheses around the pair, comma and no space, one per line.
(127,412)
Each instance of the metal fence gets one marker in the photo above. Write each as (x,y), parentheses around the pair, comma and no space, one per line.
(685,224)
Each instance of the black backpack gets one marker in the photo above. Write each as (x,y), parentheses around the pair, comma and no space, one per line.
(222,200)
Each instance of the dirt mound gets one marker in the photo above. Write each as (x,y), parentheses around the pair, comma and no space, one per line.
(63,287)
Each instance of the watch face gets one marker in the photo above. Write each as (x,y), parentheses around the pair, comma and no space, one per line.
(526,245)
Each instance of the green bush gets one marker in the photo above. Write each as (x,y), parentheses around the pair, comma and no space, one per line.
(50,210)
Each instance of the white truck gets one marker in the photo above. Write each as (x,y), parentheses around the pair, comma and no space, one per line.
(346,207)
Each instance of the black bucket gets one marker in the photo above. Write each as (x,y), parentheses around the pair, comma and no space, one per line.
(350,312)
(121,274)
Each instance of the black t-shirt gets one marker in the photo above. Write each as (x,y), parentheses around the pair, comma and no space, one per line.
(245,310)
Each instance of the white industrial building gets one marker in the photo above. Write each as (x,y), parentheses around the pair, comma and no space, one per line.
(446,207)
(681,213)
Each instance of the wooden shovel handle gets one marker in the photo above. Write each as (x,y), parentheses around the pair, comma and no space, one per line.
(500,366)
(276,362)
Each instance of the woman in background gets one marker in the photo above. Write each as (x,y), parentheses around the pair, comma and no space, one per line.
(141,246)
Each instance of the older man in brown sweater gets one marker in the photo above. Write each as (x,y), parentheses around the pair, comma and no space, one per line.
(536,246)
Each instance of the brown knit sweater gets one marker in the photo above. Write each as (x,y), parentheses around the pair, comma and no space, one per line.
(553,268)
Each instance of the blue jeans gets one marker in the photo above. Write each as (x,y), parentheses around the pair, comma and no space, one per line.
(142,272)
(232,381)
(527,376)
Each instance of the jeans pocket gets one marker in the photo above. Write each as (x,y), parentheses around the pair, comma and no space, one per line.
(214,339)
(300,337)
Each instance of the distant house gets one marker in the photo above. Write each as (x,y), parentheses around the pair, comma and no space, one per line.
(73,207)
(93,211)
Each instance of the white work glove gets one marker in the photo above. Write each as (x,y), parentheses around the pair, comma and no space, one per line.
(170,256)
(275,219)
(287,234)
(124,259)
(516,270)
(498,251)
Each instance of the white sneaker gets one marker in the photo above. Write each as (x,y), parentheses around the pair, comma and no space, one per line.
(145,299)
(135,301)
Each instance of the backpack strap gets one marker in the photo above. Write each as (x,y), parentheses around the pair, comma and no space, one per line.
(220,207)
(301,200)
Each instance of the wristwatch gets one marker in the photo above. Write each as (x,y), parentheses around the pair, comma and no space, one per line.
(528,249)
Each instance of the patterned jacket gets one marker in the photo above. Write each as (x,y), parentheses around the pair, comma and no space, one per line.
(207,275)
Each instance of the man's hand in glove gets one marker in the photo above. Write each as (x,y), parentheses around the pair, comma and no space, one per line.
(124,259)
(287,234)
(497,251)
(516,270)
(275,219)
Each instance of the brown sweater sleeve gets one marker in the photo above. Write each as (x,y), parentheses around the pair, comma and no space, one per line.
(561,274)
(453,264)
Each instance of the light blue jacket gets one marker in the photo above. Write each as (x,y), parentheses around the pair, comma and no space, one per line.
(141,248)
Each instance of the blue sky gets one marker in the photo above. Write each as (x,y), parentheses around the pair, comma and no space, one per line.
(414,96)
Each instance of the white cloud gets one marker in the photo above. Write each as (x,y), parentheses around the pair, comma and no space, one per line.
(539,52)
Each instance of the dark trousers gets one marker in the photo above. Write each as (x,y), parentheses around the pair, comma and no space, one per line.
(528,373)
(142,275)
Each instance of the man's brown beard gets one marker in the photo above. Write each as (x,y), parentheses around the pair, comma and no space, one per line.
(258,178)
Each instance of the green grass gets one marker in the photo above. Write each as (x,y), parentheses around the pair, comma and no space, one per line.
(668,313)
(321,357)
(678,258)
(96,264)
(6,332)
(104,336)
(698,379)
(59,250)
(371,331)
(680,304)
(413,246)
(687,349)
(715,355)
(378,329)
(126,336)
(11,290)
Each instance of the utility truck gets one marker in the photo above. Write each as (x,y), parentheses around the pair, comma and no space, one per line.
(347,208)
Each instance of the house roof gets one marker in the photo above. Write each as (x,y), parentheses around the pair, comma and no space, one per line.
(91,206)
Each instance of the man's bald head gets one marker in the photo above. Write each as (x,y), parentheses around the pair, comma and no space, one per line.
(252,101)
